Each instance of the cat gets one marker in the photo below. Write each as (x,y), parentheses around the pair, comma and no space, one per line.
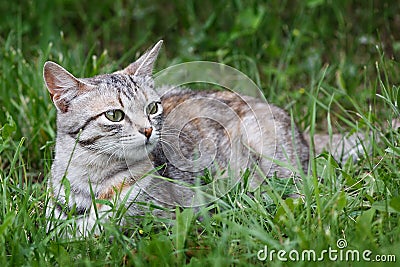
(119,140)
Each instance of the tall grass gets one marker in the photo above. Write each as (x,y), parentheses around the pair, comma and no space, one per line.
(332,64)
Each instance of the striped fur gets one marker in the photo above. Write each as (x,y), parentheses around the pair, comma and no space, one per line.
(186,133)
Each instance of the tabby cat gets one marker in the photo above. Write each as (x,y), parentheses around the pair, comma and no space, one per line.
(119,140)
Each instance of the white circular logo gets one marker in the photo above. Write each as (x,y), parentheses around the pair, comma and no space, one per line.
(341,243)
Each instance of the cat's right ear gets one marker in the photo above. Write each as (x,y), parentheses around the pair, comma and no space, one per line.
(61,84)
(143,66)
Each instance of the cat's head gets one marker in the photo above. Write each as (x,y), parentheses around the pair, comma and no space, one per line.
(117,114)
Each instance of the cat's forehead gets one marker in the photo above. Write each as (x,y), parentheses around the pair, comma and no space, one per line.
(121,81)
(131,87)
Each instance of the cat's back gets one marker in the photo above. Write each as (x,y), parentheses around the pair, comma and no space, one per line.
(202,128)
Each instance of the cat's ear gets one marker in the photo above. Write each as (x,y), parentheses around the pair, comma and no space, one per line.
(145,64)
(61,84)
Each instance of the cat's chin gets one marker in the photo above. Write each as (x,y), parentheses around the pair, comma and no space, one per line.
(139,153)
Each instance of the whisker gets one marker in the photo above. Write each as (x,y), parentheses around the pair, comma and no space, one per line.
(180,137)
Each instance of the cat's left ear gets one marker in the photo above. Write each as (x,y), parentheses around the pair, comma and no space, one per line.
(62,85)
(145,64)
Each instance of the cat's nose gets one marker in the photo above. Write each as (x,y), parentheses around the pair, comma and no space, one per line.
(146,132)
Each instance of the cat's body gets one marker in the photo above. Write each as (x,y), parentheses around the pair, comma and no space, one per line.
(228,130)
(114,129)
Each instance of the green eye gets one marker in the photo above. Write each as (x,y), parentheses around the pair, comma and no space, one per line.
(115,115)
(152,108)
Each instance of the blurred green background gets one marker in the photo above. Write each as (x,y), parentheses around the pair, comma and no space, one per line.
(334,54)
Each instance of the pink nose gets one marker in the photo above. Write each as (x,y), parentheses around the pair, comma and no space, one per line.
(146,132)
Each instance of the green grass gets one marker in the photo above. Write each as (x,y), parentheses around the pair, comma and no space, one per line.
(333,64)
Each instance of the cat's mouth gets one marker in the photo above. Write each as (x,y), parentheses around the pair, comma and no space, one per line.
(136,147)
(139,141)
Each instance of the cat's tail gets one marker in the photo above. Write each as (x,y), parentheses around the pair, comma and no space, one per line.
(347,145)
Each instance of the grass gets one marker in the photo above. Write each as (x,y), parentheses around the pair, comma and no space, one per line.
(334,65)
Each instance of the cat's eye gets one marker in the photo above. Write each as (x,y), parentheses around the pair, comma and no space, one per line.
(152,108)
(115,115)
